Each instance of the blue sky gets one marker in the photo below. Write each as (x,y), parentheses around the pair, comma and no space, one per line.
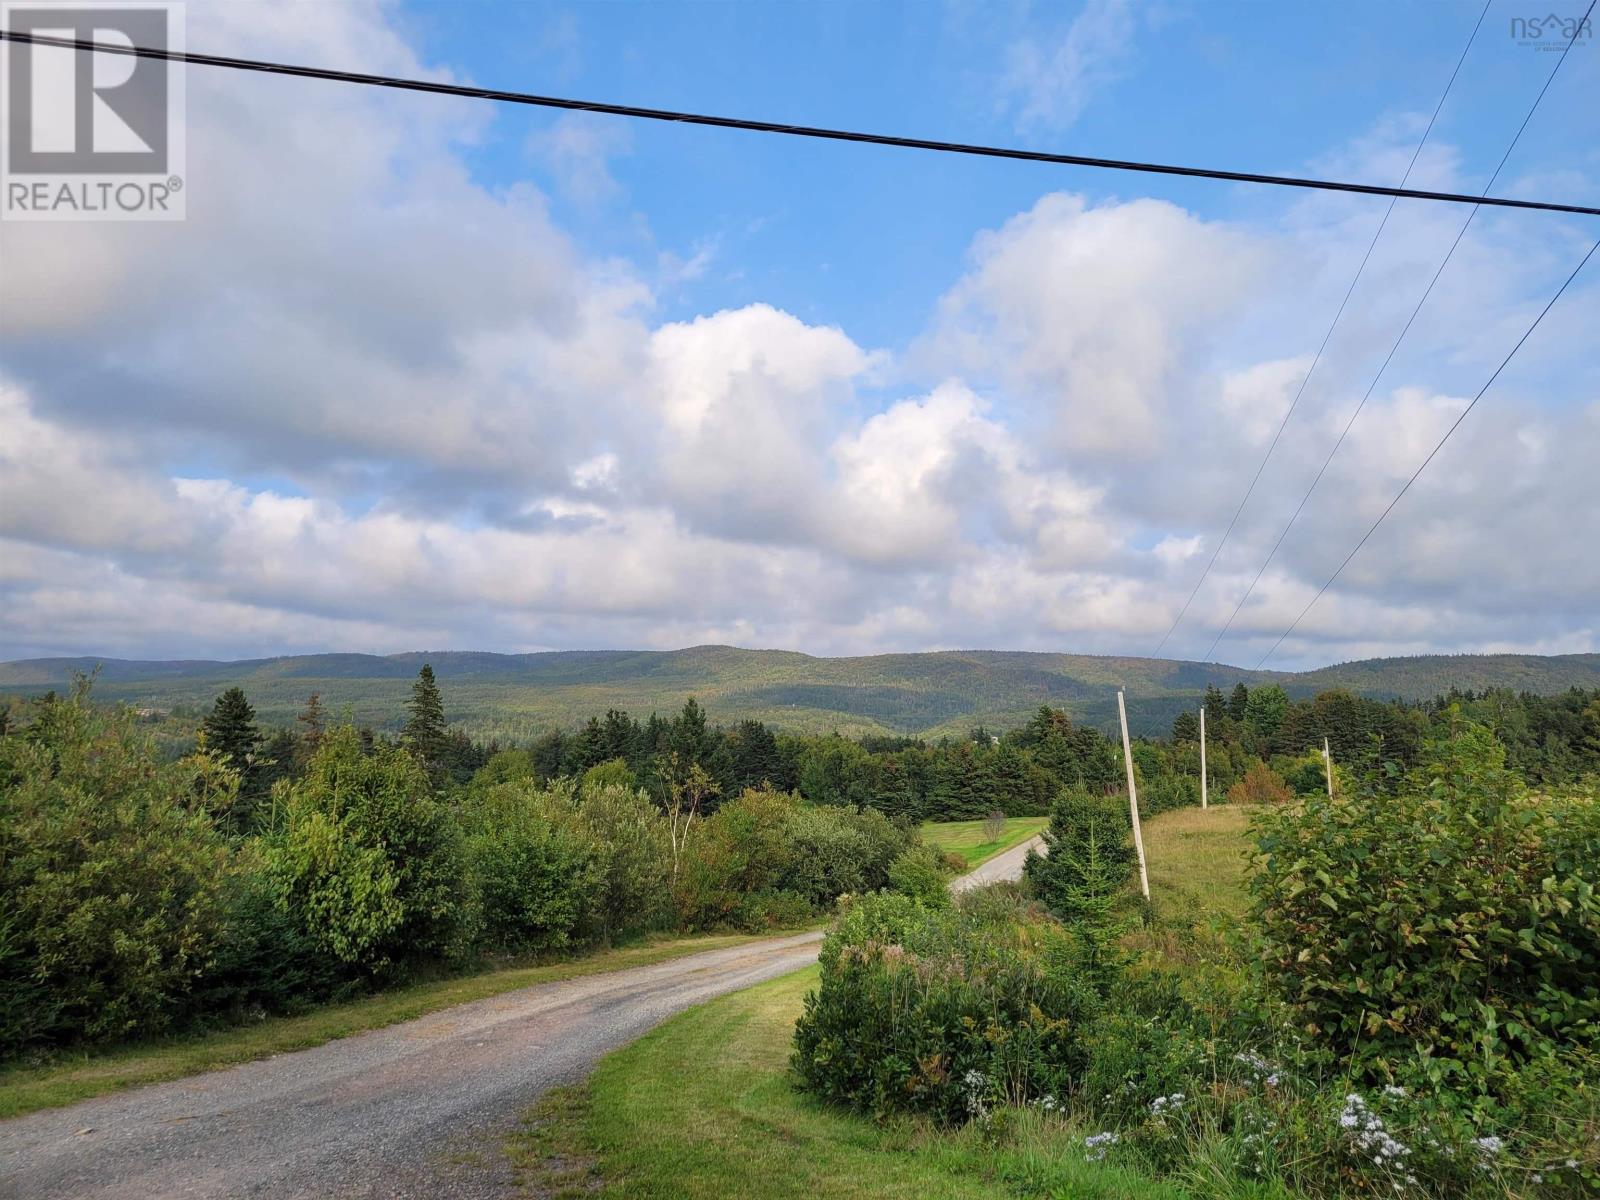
(862,237)
(423,373)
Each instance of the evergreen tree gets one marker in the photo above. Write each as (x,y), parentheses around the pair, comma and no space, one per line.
(231,729)
(1238,701)
(1215,705)
(424,734)
(313,723)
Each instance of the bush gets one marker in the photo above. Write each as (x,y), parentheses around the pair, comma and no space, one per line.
(113,882)
(368,863)
(264,963)
(744,848)
(1440,935)
(634,862)
(1260,785)
(538,875)
(939,1011)
(1167,792)
(920,873)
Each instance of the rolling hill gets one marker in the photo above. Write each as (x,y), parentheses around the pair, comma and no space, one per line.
(520,695)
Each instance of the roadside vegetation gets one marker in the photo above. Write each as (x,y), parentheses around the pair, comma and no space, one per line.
(1398,997)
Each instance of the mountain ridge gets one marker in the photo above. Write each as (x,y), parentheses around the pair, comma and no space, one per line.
(927,693)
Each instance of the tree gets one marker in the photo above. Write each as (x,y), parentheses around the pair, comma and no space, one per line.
(313,723)
(1238,701)
(1260,785)
(1215,705)
(231,731)
(687,787)
(1264,711)
(1186,727)
(994,825)
(369,863)
(424,734)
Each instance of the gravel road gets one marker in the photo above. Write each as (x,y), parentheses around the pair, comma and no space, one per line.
(413,1110)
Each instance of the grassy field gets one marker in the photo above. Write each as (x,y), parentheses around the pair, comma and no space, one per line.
(967,839)
(703,1106)
(1196,862)
(26,1088)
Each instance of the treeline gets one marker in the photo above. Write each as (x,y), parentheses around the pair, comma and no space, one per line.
(264,873)
(1259,739)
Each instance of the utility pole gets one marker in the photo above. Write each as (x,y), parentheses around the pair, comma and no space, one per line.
(1133,796)
(1203,783)
(1327,766)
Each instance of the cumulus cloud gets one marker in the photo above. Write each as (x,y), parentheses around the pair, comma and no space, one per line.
(362,401)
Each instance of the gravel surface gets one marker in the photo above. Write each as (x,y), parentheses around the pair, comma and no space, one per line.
(413,1110)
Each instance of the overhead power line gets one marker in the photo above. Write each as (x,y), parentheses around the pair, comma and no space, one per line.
(1456,424)
(1306,378)
(1405,329)
(470,92)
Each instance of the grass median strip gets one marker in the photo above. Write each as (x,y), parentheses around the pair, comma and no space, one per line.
(26,1088)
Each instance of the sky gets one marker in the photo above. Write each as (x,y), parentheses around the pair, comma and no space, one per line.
(429,373)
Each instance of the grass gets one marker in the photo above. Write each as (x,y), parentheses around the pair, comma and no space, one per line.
(967,838)
(704,1107)
(27,1088)
(1196,862)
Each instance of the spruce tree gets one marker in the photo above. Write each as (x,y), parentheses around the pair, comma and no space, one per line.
(424,734)
(1238,701)
(231,730)
(313,722)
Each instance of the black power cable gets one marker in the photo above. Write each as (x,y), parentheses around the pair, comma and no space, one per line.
(806,131)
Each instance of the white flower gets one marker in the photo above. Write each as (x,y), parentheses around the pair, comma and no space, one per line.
(1097,1145)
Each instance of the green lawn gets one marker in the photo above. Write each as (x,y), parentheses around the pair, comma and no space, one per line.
(68,1079)
(967,838)
(703,1106)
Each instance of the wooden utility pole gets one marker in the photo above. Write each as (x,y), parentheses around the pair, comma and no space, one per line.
(1133,796)
(1203,783)
(1327,766)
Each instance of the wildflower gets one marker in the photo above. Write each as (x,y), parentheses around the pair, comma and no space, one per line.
(1165,1104)
(1097,1144)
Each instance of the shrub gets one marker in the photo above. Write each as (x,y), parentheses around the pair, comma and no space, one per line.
(920,873)
(113,881)
(368,862)
(744,848)
(538,875)
(939,1011)
(1166,792)
(265,962)
(831,856)
(1443,934)
(1260,785)
(634,860)
(994,825)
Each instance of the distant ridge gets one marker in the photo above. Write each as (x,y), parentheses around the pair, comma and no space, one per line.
(932,693)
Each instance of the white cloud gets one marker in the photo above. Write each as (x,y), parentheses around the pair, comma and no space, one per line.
(361,401)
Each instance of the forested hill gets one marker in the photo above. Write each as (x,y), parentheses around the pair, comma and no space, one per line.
(519,695)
